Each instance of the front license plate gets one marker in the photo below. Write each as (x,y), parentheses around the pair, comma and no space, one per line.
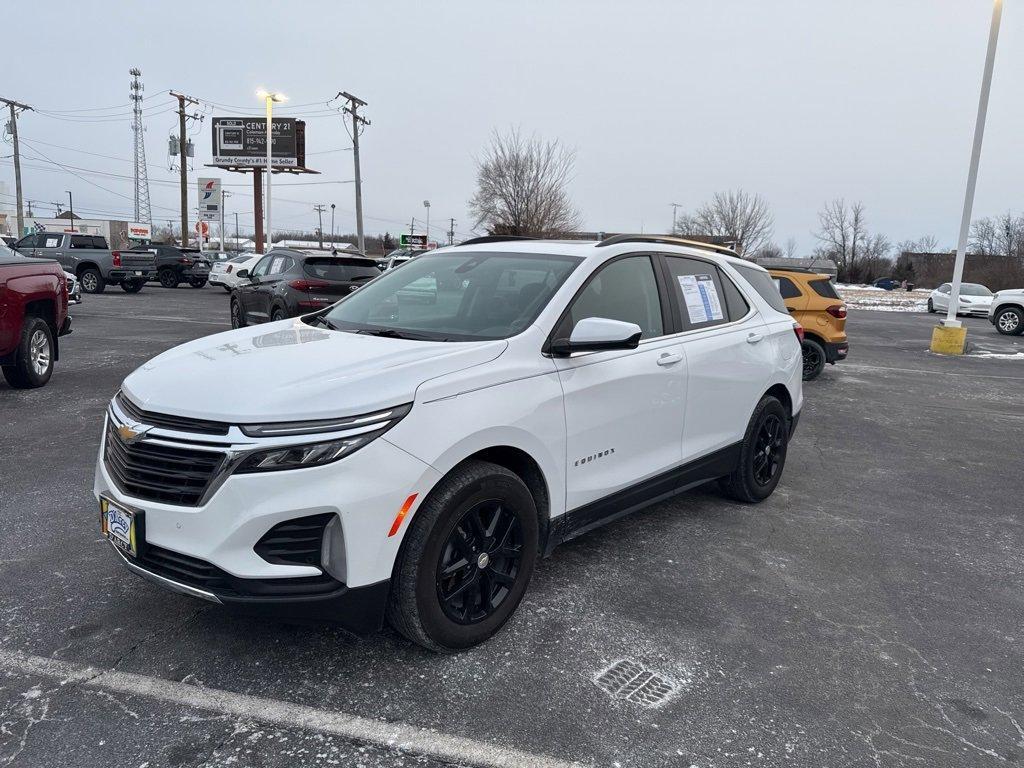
(118,525)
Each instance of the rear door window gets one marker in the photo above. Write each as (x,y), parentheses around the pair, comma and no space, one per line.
(100,242)
(699,293)
(788,288)
(342,270)
(81,241)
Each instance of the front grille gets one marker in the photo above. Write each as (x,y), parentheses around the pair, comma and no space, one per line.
(159,472)
(205,576)
(294,542)
(178,423)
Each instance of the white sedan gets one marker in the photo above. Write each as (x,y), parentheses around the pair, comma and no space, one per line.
(975,299)
(225,273)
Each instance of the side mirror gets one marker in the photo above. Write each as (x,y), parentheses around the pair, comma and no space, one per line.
(598,334)
(242,273)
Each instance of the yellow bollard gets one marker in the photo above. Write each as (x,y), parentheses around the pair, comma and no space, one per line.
(948,340)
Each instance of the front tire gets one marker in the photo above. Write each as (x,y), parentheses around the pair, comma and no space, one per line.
(132,286)
(197,282)
(931,307)
(33,359)
(169,278)
(1010,321)
(466,560)
(277,314)
(814,359)
(237,318)
(763,454)
(92,281)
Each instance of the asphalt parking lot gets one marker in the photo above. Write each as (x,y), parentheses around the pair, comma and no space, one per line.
(869,613)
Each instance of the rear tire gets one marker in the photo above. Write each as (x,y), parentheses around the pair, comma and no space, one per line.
(169,278)
(132,286)
(91,280)
(237,318)
(197,282)
(277,314)
(1010,321)
(931,307)
(466,560)
(33,358)
(814,359)
(762,456)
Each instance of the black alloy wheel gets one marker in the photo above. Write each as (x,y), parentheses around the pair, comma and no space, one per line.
(132,286)
(278,314)
(768,449)
(813,359)
(237,319)
(169,278)
(479,562)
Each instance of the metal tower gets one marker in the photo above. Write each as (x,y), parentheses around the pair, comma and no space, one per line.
(143,211)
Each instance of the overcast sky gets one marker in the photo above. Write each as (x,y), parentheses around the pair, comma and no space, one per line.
(664,102)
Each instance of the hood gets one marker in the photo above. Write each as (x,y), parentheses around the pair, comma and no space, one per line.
(289,371)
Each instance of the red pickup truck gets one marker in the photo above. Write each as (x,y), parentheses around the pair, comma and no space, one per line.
(33,314)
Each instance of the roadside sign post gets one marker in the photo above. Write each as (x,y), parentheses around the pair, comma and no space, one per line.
(413,242)
(950,336)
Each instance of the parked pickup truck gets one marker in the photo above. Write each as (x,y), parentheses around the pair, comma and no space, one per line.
(33,314)
(89,259)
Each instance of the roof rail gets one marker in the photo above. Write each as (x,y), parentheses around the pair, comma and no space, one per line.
(666,240)
(494,239)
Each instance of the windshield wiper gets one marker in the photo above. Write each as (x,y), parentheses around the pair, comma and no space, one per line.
(391,333)
(322,320)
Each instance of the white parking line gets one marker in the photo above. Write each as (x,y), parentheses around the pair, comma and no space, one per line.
(399,736)
(862,367)
(156,317)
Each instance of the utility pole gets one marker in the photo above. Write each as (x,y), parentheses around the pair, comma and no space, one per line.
(412,226)
(320,217)
(14,107)
(675,208)
(236,231)
(451,232)
(224,194)
(143,211)
(71,209)
(183,159)
(332,226)
(352,108)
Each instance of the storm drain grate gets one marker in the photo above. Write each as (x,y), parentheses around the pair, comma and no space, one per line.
(632,681)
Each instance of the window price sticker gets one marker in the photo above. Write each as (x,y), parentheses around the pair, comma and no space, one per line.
(701,296)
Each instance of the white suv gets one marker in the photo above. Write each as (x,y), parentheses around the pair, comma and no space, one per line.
(409,453)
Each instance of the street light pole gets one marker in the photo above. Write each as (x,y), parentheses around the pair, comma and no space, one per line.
(332,226)
(71,208)
(951,330)
(426,204)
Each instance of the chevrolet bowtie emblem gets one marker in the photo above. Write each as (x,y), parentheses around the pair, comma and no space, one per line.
(131,434)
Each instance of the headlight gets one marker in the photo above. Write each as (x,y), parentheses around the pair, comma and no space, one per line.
(308,455)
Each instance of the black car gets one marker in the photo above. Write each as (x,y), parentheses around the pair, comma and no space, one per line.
(176,265)
(287,282)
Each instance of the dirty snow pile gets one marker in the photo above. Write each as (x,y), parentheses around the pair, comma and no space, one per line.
(869,297)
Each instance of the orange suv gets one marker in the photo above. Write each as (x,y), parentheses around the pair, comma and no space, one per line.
(813,302)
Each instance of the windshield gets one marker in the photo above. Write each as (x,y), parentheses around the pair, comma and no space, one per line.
(455,296)
(973,289)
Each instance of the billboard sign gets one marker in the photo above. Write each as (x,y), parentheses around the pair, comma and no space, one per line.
(242,141)
(209,199)
(414,242)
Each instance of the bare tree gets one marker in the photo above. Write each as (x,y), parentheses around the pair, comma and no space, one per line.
(521,187)
(791,248)
(843,233)
(998,235)
(769,251)
(740,216)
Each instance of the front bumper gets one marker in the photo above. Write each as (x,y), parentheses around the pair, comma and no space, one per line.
(208,550)
(836,351)
(358,609)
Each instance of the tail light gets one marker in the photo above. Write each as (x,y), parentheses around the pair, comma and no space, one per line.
(116,257)
(228,270)
(184,261)
(308,285)
(799,331)
(837,311)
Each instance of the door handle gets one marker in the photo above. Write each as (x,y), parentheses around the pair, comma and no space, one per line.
(753,338)
(669,358)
